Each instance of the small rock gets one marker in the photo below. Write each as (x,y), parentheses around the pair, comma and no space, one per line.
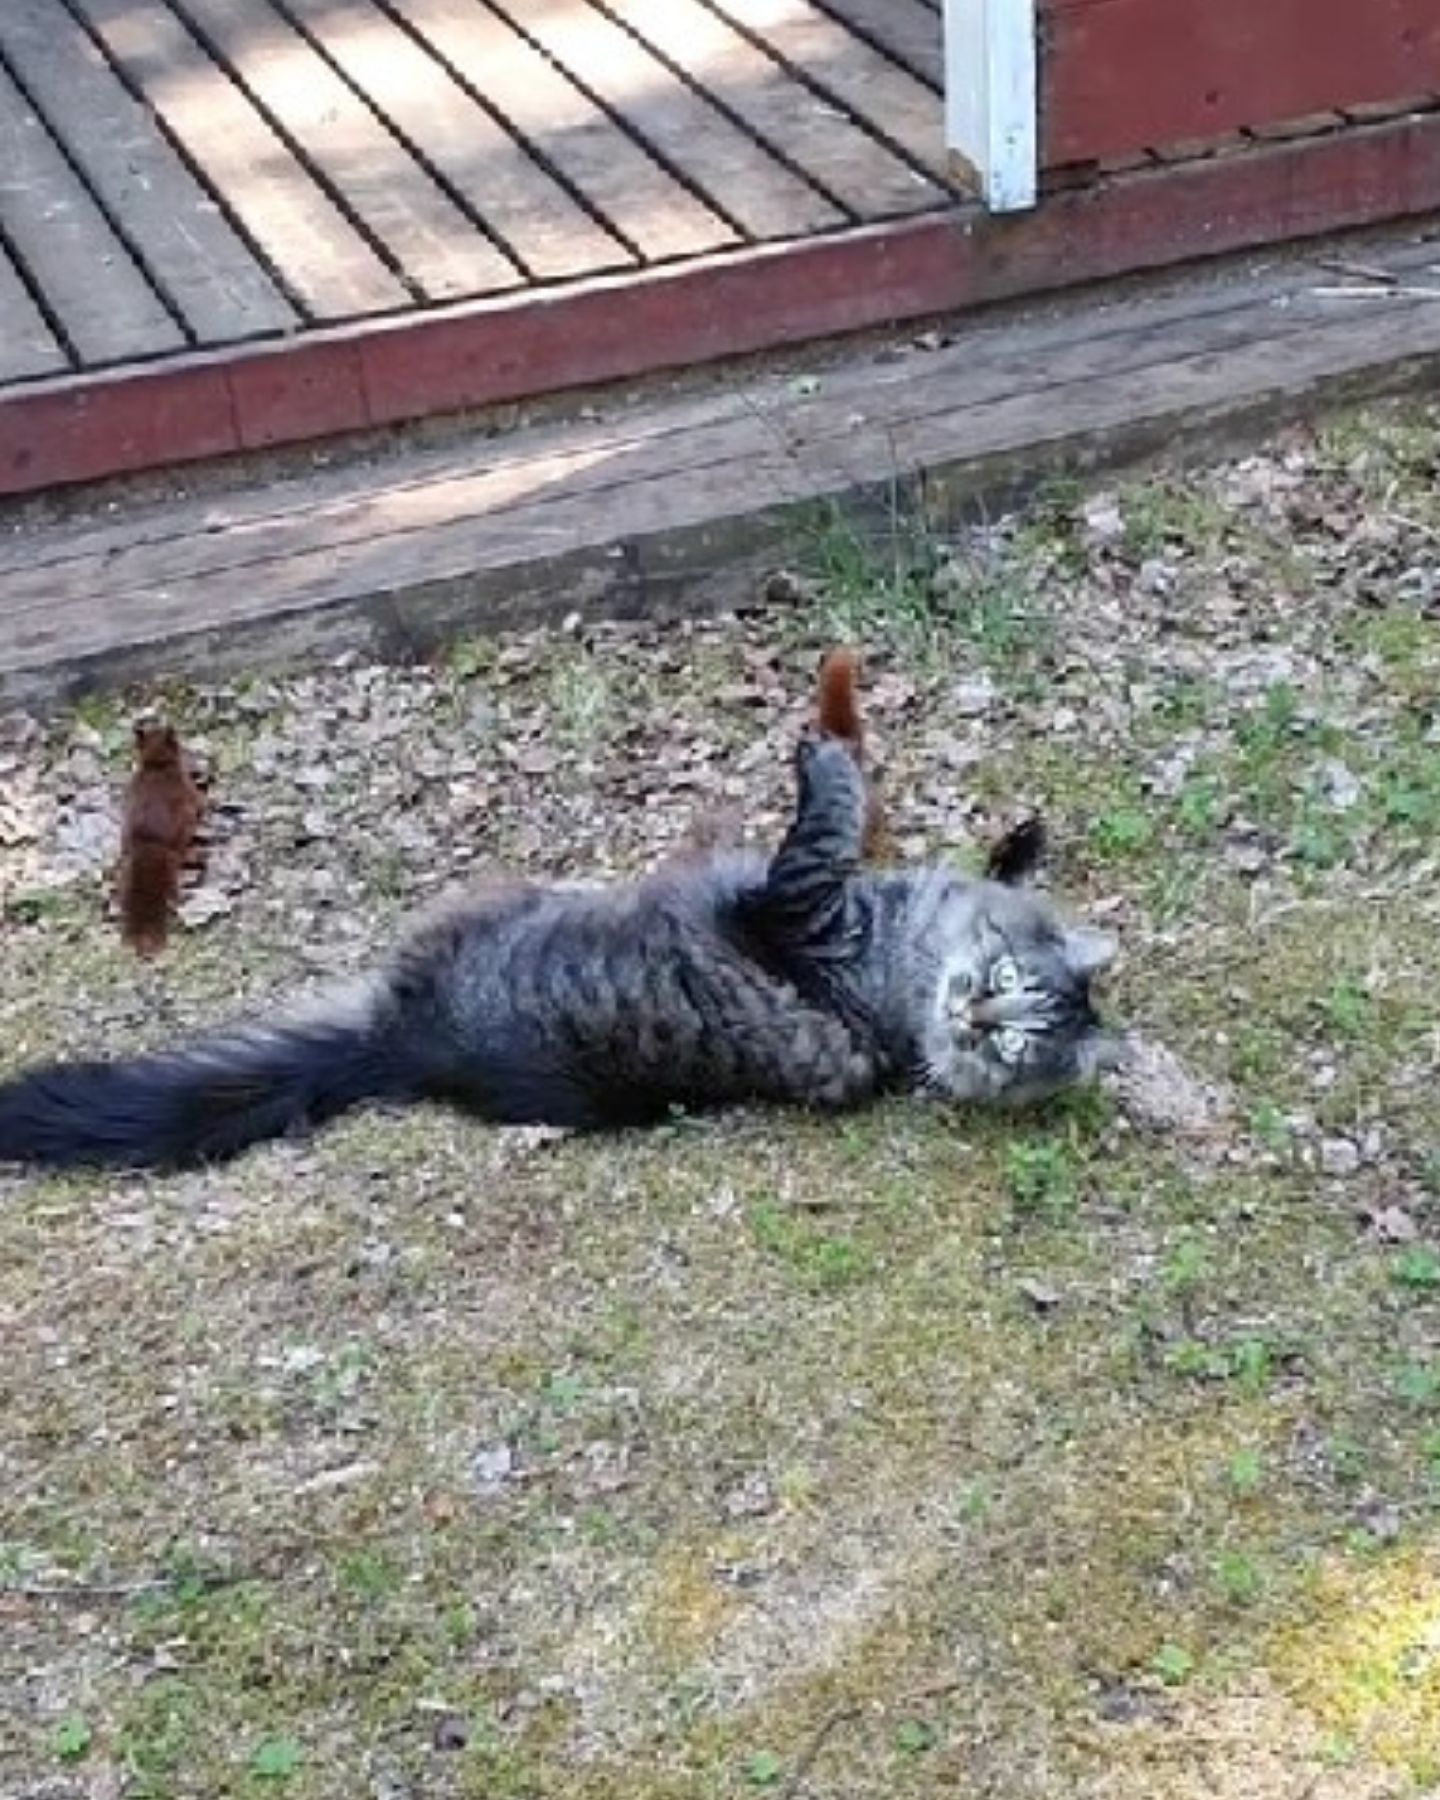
(1040,1294)
(782,587)
(753,1498)
(1342,786)
(974,697)
(1381,1520)
(1339,1156)
(1160,1094)
(491,1467)
(1393,1225)
(1102,519)
(452,1732)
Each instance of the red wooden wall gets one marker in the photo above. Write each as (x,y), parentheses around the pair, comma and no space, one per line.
(1120,76)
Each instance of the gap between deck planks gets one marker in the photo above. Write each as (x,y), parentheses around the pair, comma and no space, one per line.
(667,506)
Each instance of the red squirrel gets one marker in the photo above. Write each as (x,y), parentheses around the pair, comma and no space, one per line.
(163,809)
(837,715)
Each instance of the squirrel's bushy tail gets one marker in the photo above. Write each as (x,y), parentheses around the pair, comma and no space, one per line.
(209,1099)
(837,715)
(837,702)
(148,889)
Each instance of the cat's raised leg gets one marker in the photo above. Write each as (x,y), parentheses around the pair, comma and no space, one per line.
(804,905)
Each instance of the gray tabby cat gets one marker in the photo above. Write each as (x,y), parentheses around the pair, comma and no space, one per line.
(797,978)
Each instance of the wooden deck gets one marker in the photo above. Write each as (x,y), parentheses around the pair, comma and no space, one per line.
(193,174)
(231,224)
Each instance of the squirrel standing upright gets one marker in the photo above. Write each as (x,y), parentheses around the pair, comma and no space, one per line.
(163,809)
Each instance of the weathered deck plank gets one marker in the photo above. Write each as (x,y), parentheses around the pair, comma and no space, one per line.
(908,30)
(210,275)
(647,206)
(844,160)
(27,345)
(105,305)
(909,113)
(715,156)
(441,251)
(552,236)
(389,559)
(324,260)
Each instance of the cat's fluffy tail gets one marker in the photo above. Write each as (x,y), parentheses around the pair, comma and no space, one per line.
(209,1099)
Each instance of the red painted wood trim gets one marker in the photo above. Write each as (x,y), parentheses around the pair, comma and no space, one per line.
(1119,76)
(324,383)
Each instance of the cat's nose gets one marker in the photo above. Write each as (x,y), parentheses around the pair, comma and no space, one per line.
(995,1009)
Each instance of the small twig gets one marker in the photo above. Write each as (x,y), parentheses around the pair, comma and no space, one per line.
(113,1590)
(1337,265)
(1375,293)
(1410,524)
(843,1715)
(846,1715)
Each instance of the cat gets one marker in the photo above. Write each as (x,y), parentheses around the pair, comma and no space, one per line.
(163,809)
(798,978)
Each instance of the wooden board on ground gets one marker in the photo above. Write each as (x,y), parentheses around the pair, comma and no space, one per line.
(104,304)
(27,344)
(324,261)
(842,159)
(537,220)
(738,177)
(212,278)
(666,501)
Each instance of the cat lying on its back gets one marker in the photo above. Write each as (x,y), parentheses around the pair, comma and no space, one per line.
(796,978)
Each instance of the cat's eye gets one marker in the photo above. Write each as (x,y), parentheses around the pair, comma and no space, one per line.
(1005,976)
(1010,1044)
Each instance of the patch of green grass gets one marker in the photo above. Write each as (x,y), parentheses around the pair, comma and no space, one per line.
(1173,1664)
(1418,1269)
(1040,1176)
(1164,515)
(886,578)
(276,1759)
(1245,1471)
(821,1260)
(763,1769)
(72,1738)
(1239,1577)
(1121,832)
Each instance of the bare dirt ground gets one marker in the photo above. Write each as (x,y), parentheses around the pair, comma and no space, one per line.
(1094,1453)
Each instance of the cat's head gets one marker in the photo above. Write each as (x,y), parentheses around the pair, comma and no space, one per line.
(1011,1017)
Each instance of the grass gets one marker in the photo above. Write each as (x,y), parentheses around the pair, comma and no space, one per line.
(907,1455)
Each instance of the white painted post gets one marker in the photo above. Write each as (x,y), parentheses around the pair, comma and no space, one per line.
(991,128)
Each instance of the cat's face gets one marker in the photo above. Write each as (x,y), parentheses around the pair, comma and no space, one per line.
(1011,1014)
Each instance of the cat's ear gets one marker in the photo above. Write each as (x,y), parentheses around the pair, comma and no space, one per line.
(1088,952)
(1016,855)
